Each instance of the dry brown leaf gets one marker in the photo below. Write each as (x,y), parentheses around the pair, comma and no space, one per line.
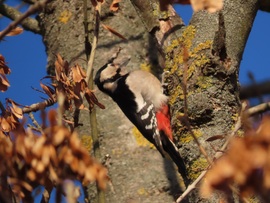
(4,69)
(31,174)
(81,168)
(48,90)
(52,117)
(59,135)
(89,175)
(102,177)
(68,157)
(115,5)
(37,149)
(20,146)
(75,143)
(17,111)
(78,73)
(12,120)
(61,67)
(53,154)
(5,125)
(215,137)
(106,27)
(44,159)
(46,156)
(4,83)
(209,5)
(246,164)
(197,5)
(91,99)
(15,31)
(95,2)
(264,128)
(53,175)
(40,167)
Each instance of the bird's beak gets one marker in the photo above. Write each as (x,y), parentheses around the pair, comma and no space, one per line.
(124,64)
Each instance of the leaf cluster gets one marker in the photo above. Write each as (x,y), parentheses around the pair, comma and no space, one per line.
(70,82)
(245,165)
(28,159)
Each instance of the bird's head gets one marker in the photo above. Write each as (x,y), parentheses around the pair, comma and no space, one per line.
(107,76)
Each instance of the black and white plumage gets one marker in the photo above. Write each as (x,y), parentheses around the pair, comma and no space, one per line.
(139,94)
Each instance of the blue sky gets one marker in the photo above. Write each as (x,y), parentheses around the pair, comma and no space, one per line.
(25,55)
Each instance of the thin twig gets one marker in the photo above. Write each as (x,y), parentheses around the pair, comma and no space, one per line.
(33,9)
(90,63)
(250,91)
(191,187)
(34,121)
(38,106)
(61,101)
(261,108)
(90,82)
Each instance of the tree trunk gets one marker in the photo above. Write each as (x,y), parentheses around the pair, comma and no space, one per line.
(205,55)
(202,60)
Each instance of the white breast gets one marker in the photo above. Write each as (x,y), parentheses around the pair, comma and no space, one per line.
(146,87)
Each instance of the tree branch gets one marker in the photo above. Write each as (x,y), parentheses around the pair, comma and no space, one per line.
(30,1)
(90,82)
(261,108)
(250,91)
(23,19)
(38,106)
(264,5)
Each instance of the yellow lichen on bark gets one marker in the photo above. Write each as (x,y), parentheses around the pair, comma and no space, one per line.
(146,67)
(197,167)
(141,141)
(65,16)
(187,137)
(87,141)
(198,59)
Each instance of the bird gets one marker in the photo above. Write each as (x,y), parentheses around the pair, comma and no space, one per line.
(140,96)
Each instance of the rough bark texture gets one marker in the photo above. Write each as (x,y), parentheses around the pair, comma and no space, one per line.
(208,52)
(207,55)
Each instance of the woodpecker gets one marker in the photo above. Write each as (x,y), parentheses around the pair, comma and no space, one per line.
(139,94)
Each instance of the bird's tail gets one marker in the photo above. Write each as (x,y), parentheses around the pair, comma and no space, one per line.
(174,154)
(164,127)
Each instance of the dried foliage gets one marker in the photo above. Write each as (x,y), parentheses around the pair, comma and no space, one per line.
(4,70)
(10,117)
(114,32)
(70,81)
(95,2)
(197,5)
(55,154)
(209,5)
(14,32)
(28,159)
(246,165)
(115,5)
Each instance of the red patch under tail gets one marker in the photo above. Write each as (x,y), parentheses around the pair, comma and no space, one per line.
(164,121)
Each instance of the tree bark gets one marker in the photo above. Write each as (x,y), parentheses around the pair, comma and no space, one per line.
(203,61)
